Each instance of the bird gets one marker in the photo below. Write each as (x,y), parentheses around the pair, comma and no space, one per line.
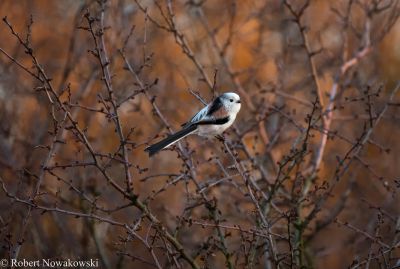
(210,121)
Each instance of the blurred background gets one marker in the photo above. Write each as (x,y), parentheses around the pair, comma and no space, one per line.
(307,177)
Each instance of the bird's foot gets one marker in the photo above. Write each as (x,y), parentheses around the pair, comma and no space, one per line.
(220,138)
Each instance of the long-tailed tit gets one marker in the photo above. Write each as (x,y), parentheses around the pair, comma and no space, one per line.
(211,121)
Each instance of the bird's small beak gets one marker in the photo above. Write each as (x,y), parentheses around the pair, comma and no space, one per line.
(238,101)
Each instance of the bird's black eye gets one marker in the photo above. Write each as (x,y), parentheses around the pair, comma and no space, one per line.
(231,100)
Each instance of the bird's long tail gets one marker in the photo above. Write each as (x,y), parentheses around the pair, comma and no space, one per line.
(171,139)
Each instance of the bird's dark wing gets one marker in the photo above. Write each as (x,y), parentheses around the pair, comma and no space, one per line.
(215,106)
(207,112)
(199,115)
(208,121)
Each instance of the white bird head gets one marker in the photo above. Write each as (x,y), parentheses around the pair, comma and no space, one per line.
(231,101)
